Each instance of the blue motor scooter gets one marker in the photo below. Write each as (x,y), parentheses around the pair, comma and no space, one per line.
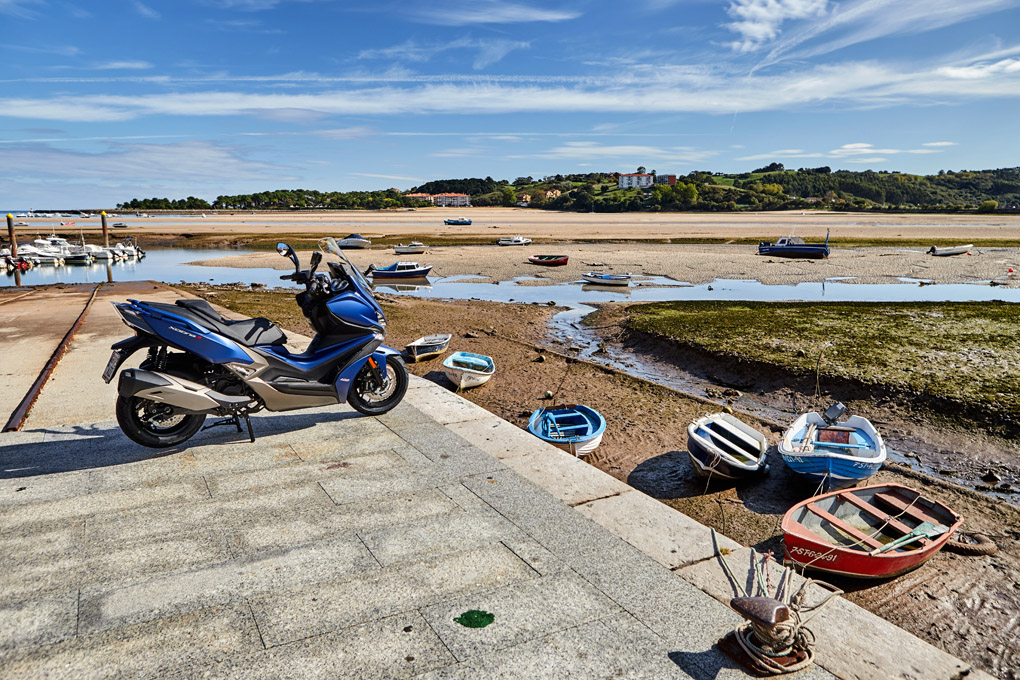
(200,363)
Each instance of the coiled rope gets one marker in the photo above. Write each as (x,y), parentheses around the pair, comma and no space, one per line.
(764,644)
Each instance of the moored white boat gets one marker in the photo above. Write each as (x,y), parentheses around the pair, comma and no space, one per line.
(412,248)
(467,369)
(954,250)
(513,241)
(722,446)
(399,270)
(428,347)
(600,279)
(353,241)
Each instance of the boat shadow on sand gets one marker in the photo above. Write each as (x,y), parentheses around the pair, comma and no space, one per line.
(670,475)
(88,447)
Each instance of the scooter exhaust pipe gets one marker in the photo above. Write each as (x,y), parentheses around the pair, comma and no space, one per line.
(168,389)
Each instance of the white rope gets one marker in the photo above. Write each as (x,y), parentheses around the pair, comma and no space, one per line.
(765,644)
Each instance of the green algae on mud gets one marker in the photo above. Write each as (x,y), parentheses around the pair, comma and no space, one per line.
(962,352)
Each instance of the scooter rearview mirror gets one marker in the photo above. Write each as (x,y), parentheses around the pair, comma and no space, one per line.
(283,249)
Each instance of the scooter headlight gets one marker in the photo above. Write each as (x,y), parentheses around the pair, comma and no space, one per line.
(381,319)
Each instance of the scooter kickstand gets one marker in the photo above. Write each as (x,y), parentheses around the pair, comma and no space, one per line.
(247,421)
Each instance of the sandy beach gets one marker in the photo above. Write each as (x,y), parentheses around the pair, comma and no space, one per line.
(557,226)
(695,264)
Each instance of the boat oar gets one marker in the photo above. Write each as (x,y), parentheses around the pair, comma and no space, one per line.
(842,446)
(922,530)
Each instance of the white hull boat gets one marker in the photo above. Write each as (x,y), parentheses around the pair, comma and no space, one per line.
(514,241)
(601,279)
(428,347)
(946,252)
(467,370)
(353,241)
(412,248)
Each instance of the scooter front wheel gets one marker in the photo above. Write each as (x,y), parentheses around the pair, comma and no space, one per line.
(155,425)
(372,399)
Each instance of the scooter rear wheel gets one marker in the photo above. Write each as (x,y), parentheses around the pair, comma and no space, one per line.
(144,422)
(372,400)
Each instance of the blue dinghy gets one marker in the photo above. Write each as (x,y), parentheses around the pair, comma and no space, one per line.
(574,428)
(400,270)
(833,455)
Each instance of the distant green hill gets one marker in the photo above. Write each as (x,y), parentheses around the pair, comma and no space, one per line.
(772,187)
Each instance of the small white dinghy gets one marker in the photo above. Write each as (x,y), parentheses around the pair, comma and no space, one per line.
(412,248)
(600,279)
(428,347)
(466,369)
(954,250)
(513,241)
(722,446)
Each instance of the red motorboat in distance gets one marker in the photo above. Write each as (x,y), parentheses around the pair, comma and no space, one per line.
(549,260)
(875,531)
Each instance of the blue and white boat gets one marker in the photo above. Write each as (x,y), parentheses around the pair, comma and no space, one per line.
(830,454)
(575,428)
(467,369)
(399,270)
(457,220)
(794,246)
(600,279)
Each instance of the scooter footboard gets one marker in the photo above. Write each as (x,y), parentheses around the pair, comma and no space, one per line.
(346,377)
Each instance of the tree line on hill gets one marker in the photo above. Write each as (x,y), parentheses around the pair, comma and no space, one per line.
(771,187)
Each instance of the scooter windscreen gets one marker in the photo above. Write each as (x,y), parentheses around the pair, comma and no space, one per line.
(329,246)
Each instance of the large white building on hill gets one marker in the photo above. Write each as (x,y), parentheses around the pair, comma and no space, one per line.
(640,181)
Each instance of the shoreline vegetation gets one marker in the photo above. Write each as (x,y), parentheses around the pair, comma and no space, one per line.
(771,187)
(971,600)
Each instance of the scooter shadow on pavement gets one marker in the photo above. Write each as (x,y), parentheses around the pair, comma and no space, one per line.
(84,447)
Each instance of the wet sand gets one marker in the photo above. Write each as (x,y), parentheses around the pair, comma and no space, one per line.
(695,264)
(561,226)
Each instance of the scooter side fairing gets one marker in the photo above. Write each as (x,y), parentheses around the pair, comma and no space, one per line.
(187,335)
(378,352)
(313,364)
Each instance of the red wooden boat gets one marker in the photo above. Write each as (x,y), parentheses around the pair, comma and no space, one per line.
(549,260)
(873,531)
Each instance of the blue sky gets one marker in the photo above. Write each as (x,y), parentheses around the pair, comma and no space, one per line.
(108,100)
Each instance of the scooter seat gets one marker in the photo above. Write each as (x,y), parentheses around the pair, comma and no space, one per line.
(248,332)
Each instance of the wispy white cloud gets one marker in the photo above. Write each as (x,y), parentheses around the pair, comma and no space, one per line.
(854,84)
(395,177)
(638,153)
(183,161)
(857,21)
(758,21)
(60,50)
(489,51)
(466,12)
(143,10)
(22,9)
(856,152)
(344,133)
(124,65)
(982,70)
